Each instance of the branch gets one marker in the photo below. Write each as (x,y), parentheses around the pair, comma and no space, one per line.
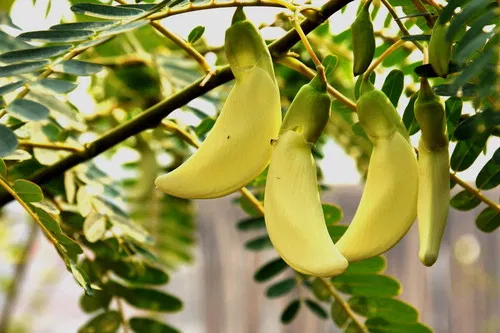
(17,280)
(475,192)
(153,116)
(421,8)
(344,305)
(399,23)
(49,145)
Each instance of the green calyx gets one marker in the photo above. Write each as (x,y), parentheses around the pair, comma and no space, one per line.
(363,41)
(245,48)
(378,116)
(439,49)
(309,111)
(431,117)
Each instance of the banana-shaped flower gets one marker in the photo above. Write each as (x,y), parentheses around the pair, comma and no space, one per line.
(388,205)
(434,168)
(238,148)
(293,212)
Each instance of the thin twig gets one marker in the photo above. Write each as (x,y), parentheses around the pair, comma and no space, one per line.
(301,68)
(382,57)
(17,280)
(122,314)
(399,23)
(421,8)
(475,192)
(50,145)
(344,305)
(319,66)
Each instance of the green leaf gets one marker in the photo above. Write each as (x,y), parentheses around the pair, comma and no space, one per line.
(489,176)
(124,28)
(94,227)
(390,309)
(78,67)
(449,10)
(28,191)
(393,86)
(488,220)
(453,106)
(484,62)
(339,315)
(35,53)
(82,278)
(332,213)
(281,288)
(320,290)
(353,328)
(204,127)
(71,247)
(253,223)
(474,125)
(147,325)
(94,26)
(100,300)
(48,221)
(147,299)
(290,312)
(3,168)
(367,285)
(464,200)
(316,309)
(380,325)
(373,265)
(107,322)
(7,88)
(139,272)
(409,116)
(27,110)
(330,63)
(470,11)
(55,85)
(196,34)
(56,36)
(467,151)
(106,11)
(336,231)
(270,270)
(22,68)
(8,141)
(474,38)
(259,243)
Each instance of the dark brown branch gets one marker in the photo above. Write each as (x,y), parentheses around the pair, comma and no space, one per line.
(153,116)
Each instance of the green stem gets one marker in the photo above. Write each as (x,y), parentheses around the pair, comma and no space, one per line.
(399,23)
(381,58)
(344,305)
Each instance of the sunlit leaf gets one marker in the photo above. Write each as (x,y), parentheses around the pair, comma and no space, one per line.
(28,191)
(367,285)
(390,309)
(11,86)
(332,213)
(35,53)
(27,110)
(94,227)
(94,26)
(55,85)
(78,67)
(196,34)
(105,11)
(22,68)
(56,36)
(124,28)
